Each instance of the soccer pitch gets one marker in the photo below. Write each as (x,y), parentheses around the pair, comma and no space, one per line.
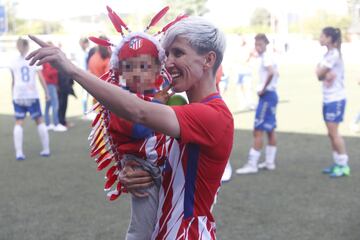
(61,197)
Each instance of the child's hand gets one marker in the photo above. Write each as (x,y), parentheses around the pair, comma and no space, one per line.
(163,95)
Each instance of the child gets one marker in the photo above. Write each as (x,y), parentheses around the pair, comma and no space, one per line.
(137,61)
(331,72)
(265,118)
(26,99)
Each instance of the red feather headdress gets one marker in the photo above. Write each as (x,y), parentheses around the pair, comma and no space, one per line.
(102,146)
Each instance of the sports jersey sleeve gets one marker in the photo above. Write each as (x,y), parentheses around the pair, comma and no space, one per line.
(201,123)
(330,59)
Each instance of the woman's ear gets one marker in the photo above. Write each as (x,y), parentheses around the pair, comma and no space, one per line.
(210,59)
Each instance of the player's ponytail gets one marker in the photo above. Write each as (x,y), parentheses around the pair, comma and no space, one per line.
(335,35)
(339,41)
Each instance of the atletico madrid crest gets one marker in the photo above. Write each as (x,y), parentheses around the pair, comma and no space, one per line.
(136,43)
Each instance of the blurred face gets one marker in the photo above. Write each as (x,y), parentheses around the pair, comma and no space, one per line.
(23,49)
(260,46)
(140,73)
(184,64)
(84,45)
(324,40)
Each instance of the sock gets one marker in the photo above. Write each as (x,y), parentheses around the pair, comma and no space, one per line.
(254,156)
(44,138)
(342,159)
(270,154)
(335,156)
(18,140)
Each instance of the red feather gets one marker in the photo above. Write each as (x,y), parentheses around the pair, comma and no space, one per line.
(119,187)
(110,172)
(115,23)
(167,26)
(97,144)
(116,20)
(114,196)
(106,155)
(104,164)
(110,182)
(97,151)
(96,137)
(95,106)
(178,18)
(105,76)
(157,17)
(96,119)
(100,41)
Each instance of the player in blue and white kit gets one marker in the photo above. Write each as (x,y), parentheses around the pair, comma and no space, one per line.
(265,118)
(330,71)
(26,99)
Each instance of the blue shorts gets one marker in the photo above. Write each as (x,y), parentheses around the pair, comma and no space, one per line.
(334,111)
(265,117)
(21,107)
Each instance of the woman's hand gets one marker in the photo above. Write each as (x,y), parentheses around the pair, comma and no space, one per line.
(51,54)
(135,179)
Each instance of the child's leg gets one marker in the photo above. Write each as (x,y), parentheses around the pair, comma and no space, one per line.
(144,210)
(143,215)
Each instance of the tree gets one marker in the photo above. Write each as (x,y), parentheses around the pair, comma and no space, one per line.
(261,17)
(189,7)
(323,19)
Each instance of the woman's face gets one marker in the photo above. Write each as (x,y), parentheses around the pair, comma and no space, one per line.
(184,64)
(140,73)
(324,40)
(260,46)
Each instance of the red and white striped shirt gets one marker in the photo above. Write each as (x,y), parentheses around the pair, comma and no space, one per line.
(192,174)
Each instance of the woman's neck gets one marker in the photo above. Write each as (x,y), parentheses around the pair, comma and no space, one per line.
(201,90)
(331,47)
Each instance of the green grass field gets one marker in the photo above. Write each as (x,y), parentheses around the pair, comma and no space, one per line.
(61,197)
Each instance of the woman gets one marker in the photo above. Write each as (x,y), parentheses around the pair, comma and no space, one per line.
(265,116)
(201,132)
(331,72)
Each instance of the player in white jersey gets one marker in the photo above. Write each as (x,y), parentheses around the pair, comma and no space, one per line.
(26,99)
(265,118)
(330,71)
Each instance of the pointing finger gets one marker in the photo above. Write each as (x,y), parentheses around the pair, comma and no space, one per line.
(40,42)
